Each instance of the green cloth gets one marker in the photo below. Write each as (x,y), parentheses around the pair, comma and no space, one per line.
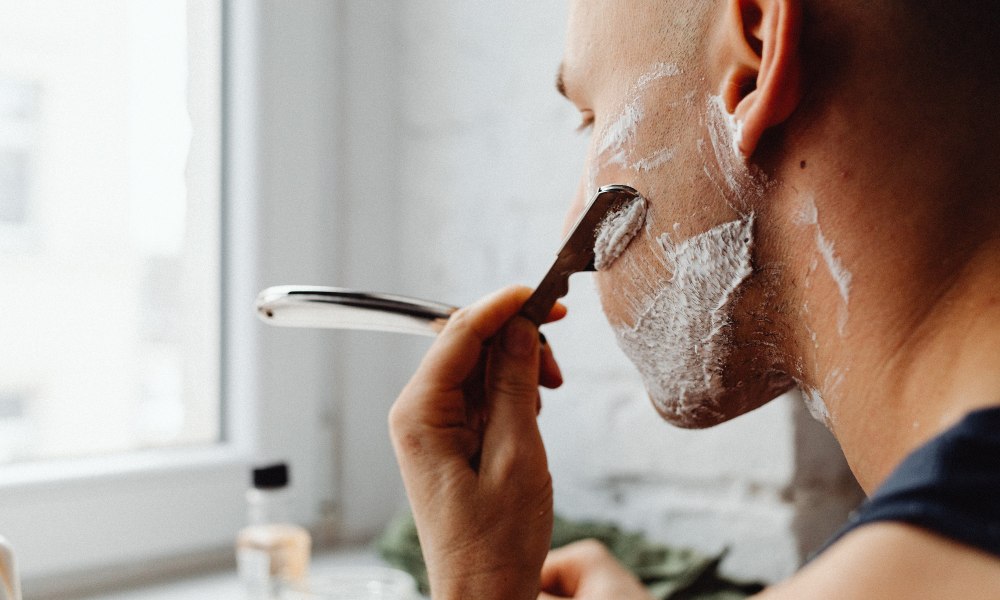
(668,573)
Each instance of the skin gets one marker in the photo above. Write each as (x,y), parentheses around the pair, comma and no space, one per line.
(824,96)
(465,432)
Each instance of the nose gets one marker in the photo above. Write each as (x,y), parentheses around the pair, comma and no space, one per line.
(576,207)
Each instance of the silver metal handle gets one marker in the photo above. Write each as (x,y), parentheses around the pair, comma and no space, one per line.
(340,308)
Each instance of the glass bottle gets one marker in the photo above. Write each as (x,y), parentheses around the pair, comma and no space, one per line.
(10,585)
(271,549)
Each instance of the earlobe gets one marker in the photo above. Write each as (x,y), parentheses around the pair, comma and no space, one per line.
(761,77)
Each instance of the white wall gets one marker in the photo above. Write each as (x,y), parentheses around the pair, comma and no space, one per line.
(470,159)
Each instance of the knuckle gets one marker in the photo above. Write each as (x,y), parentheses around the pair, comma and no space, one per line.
(515,385)
(508,466)
(406,439)
(400,421)
(591,550)
(395,419)
(463,320)
(459,318)
(526,464)
(410,444)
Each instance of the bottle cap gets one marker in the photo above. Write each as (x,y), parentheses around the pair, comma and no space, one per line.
(271,476)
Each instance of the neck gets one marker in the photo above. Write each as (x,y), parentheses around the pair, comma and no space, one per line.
(944,365)
(911,347)
(899,299)
(894,279)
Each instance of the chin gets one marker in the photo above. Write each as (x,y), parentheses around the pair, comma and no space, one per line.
(688,409)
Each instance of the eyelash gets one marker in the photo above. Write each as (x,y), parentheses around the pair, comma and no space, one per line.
(587,123)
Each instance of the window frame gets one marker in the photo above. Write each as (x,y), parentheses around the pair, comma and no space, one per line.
(22,235)
(88,523)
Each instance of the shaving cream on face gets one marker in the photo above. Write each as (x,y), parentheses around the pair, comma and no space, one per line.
(679,342)
(656,72)
(678,308)
(809,215)
(741,183)
(616,141)
(815,405)
(621,130)
(680,339)
(818,407)
(654,161)
(616,231)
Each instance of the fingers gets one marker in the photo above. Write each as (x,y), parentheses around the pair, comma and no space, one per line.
(550,374)
(512,444)
(557,313)
(564,567)
(456,391)
(512,388)
(587,568)
(436,417)
(455,353)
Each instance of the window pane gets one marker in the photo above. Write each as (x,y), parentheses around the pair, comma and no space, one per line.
(109,225)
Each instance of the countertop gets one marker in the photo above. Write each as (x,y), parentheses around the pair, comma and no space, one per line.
(224,585)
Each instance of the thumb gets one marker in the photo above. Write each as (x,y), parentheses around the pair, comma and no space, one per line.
(512,381)
(514,369)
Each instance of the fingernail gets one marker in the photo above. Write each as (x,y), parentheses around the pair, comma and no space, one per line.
(520,337)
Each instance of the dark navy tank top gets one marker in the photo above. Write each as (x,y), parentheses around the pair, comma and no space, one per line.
(949,486)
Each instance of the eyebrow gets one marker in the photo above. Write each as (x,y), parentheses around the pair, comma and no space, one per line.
(560,83)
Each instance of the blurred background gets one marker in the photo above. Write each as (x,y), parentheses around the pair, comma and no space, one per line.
(161,161)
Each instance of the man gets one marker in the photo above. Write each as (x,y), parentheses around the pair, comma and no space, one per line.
(821,182)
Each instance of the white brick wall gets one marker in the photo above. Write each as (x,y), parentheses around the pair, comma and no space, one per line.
(484,160)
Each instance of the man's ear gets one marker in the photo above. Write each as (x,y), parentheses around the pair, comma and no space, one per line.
(761,70)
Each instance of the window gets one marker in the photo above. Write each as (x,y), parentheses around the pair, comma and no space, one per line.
(18,130)
(110,237)
(109,244)
(109,203)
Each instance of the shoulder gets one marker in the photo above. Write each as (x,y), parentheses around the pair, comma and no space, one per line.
(894,560)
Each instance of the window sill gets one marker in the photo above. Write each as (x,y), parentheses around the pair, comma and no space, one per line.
(224,585)
(100,470)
